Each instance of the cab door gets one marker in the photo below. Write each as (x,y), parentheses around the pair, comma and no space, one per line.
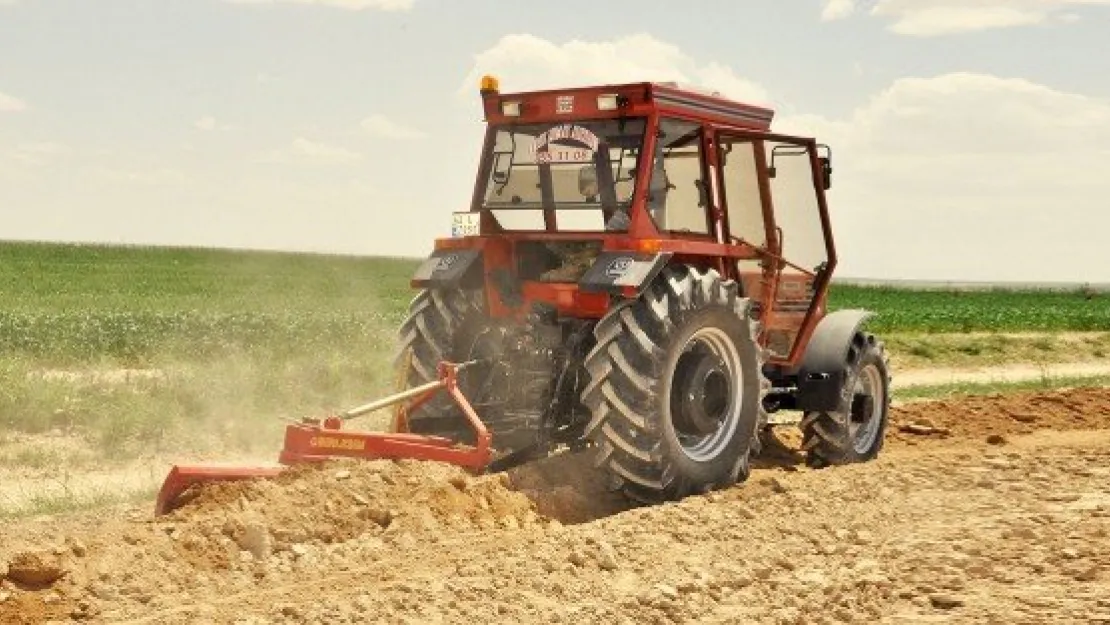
(771,201)
(745,202)
(804,248)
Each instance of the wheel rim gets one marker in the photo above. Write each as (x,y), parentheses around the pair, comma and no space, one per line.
(705,394)
(867,409)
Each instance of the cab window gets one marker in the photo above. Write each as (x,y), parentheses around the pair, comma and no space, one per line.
(677,199)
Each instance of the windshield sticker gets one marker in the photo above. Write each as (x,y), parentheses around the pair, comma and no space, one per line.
(566,143)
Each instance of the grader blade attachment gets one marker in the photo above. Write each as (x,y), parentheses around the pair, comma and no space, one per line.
(319,440)
(183,477)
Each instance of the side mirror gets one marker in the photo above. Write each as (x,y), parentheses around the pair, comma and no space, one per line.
(826,171)
(826,165)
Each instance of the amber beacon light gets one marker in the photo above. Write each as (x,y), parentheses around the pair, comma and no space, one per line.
(489,84)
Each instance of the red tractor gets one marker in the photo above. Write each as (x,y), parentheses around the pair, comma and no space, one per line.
(643,269)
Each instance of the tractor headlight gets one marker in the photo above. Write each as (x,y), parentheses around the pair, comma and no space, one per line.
(510,109)
(608,102)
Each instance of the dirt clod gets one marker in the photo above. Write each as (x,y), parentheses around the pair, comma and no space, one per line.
(923,429)
(35,568)
(82,611)
(256,540)
(946,602)
(606,556)
(667,591)
(1086,574)
(78,548)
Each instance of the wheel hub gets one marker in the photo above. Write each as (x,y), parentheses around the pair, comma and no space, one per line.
(865,416)
(701,393)
(862,407)
(704,402)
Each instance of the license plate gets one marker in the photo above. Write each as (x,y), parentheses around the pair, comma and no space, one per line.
(466,224)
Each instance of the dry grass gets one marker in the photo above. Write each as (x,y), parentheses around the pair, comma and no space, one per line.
(914,351)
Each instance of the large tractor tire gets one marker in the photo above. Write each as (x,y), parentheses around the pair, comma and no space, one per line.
(437,324)
(676,388)
(855,431)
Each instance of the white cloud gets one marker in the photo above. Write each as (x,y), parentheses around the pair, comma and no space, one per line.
(306,151)
(969,176)
(382,126)
(11,104)
(837,9)
(525,62)
(926,18)
(353,5)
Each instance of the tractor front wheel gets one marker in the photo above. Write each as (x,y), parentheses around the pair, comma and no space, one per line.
(676,387)
(854,431)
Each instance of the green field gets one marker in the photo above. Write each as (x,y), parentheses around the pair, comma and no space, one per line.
(66,304)
(227,341)
(987,310)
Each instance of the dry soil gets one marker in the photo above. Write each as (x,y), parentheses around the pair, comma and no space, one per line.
(988,509)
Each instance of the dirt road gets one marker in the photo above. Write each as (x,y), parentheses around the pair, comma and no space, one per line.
(1000,373)
(944,527)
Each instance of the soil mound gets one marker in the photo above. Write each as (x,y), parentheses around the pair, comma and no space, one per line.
(243,533)
(343,500)
(998,415)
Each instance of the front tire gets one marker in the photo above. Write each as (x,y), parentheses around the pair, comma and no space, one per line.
(676,388)
(854,432)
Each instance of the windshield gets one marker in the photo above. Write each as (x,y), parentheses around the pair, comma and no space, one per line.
(570,165)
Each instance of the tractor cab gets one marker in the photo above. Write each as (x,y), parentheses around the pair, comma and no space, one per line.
(584,194)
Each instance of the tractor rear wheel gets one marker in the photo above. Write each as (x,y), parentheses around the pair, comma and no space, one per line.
(854,432)
(438,322)
(676,387)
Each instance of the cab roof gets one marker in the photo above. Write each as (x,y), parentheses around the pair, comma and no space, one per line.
(632,99)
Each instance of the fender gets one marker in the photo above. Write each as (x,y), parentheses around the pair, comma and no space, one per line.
(821,375)
(616,272)
(449,268)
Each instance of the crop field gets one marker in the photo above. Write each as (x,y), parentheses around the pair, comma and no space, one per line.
(66,304)
(210,346)
(986,310)
(150,350)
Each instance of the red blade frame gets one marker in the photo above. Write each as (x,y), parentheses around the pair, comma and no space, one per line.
(316,442)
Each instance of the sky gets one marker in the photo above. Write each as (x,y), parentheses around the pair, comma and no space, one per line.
(970,138)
